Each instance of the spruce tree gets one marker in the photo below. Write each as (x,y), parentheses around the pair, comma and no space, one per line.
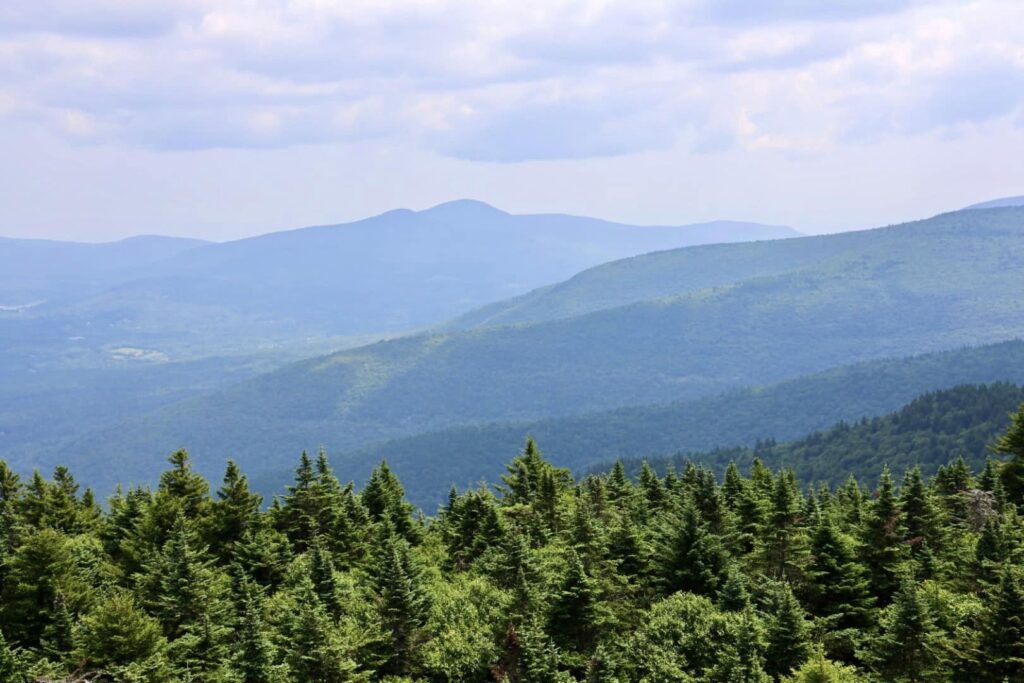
(404,602)
(838,589)
(255,656)
(1001,647)
(882,539)
(909,647)
(922,518)
(576,616)
(1012,472)
(692,558)
(783,545)
(236,512)
(787,639)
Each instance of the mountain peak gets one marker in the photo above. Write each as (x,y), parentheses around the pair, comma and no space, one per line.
(998,203)
(469,208)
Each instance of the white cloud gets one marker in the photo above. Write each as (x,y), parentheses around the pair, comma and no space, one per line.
(507,82)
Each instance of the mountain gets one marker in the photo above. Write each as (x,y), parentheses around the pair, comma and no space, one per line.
(785,411)
(931,431)
(999,203)
(33,270)
(151,320)
(396,271)
(949,281)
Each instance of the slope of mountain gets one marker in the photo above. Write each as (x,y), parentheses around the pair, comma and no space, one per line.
(937,284)
(82,319)
(785,411)
(715,269)
(396,271)
(999,203)
(930,431)
(32,271)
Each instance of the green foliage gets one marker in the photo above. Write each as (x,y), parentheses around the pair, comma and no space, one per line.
(675,579)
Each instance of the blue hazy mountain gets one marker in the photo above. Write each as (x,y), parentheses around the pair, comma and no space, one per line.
(669,326)
(999,203)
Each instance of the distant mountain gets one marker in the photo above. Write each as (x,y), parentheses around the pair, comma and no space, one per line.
(91,319)
(781,310)
(999,203)
(34,270)
(930,431)
(786,411)
(396,271)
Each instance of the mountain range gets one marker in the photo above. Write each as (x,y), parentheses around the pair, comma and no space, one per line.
(674,325)
(148,321)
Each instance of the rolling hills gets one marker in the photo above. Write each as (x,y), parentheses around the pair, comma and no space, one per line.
(931,285)
(148,321)
(781,412)
(930,431)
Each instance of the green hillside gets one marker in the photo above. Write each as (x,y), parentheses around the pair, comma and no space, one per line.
(782,412)
(931,431)
(903,253)
(947,282)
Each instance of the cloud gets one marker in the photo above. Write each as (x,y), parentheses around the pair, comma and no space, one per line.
(509,82)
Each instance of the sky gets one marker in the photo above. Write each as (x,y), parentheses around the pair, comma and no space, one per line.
(227,118)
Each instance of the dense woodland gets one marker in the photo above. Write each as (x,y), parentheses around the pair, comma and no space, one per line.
(680,577)
(931,430)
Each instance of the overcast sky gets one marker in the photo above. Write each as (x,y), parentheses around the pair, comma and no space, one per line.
(224,118)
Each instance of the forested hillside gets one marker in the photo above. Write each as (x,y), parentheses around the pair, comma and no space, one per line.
(780,412)
(149,321)
(930,431)
(920,287)
(547,579)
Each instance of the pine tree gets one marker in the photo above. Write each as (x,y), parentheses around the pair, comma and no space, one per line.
(255,655)
(236,512)
(1001,648)
(321,568)
(118,637)
(909,646)
(187,596)
(627,549)
(1012,443)
(883,548)
(316,651)
(384,498)
(783,549)
(297,515)
(922,518)
(650,486)
(620,487)
(404,602)
(787,640)
(743,659)
(692,558)
(735,593)
(838,590)
(576,615)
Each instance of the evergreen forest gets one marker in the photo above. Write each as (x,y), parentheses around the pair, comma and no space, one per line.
(750,577)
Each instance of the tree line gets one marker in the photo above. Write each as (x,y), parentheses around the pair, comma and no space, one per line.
(544,578)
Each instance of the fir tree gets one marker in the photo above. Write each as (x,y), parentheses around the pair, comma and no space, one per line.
(575,612)
(922,518)
(839,592)
(908,647)
(236,512)
(693,558)
(787,634)
(883,549)
(404,602)
(1001,648)
(783,546)
(1012,443)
